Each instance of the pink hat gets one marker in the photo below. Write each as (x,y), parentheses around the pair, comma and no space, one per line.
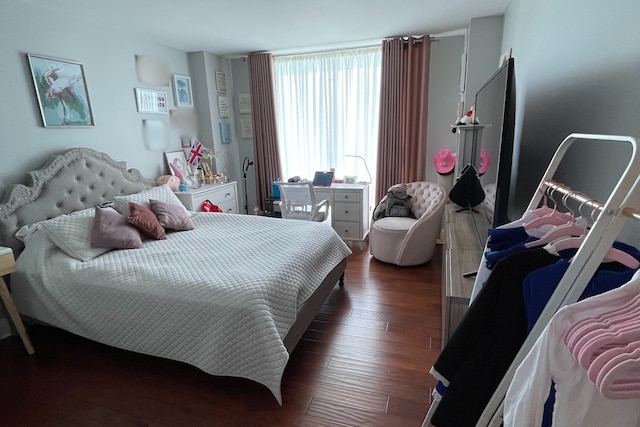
(485,161)
(444,161)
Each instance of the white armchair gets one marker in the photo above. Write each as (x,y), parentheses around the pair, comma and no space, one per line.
(408,241)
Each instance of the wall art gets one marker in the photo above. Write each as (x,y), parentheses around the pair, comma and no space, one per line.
(61,90)
(151,101)
(183,96)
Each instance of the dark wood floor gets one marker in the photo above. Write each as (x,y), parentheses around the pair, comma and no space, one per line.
(363,362)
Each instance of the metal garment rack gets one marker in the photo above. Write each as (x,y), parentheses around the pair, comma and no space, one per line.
(612,215)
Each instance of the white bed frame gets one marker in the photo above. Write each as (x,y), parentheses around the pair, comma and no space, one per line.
(81,178)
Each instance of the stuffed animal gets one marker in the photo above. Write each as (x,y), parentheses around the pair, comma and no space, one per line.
(172,181)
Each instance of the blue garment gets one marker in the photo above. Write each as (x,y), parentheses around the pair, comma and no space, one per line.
(539,285)
(503,242)
(504,238)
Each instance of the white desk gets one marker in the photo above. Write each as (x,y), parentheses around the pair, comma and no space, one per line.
(350,209)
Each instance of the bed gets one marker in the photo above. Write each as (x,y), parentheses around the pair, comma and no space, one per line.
(232,296)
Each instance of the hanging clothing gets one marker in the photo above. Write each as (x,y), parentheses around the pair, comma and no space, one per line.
(490,334)
(482,347)
(578,401)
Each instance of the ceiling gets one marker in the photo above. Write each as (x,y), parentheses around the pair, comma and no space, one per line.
(233,28)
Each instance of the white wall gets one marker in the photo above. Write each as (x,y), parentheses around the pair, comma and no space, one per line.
(444,85)
(109,67)
(577,68)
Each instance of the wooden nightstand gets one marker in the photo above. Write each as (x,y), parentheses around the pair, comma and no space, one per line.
(8,266)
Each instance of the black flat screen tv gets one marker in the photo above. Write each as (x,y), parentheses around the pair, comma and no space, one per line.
(495,107)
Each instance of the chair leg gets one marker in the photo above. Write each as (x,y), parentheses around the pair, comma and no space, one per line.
(15,317)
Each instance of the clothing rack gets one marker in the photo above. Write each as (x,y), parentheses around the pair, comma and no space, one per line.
(618,208)
(611,217)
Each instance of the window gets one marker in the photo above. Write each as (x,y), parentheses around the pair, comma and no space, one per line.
(327,109)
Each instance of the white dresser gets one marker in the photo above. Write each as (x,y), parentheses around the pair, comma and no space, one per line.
(223,195)
(350,209)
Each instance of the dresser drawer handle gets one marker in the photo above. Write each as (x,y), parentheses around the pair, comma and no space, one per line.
(346,212)
(227,195)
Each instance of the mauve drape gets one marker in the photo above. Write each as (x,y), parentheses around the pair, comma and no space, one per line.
(404,100)
(265,135)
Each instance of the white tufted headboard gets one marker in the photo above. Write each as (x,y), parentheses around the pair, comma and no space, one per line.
(77,179)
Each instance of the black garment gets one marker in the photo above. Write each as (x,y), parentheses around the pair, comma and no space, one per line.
(486,341)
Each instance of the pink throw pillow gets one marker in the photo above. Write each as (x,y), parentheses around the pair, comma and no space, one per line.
(146,221)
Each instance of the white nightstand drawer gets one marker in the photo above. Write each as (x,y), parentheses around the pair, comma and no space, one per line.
(347,196)
(347,212)
(347,230)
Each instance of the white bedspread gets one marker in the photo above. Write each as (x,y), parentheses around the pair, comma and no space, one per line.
(220,297)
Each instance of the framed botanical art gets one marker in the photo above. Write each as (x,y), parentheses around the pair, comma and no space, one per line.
(61,90)
(182,91)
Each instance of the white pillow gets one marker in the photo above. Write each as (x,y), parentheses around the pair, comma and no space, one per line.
(72,234)
(162,193)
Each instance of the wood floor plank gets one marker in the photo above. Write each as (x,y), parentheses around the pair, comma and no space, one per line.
(363,361)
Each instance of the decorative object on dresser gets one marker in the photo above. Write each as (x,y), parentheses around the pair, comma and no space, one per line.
(193,297)
(408,241)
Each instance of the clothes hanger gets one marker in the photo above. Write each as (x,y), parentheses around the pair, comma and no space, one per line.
(570,228)
(554,217)
(615,299)
(620,377)
(604,361)
(613,254)
(597,342)
(584,326)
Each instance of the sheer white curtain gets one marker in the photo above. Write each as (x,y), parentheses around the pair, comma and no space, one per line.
(327,108)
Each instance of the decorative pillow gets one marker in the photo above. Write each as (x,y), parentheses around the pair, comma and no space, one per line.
(71,233)
(170,216)
(112,230)
(146,221)
(162,193)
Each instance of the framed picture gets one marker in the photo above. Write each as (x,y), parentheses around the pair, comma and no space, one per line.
(225,132)
(246,128)
(244,103)
(223,107)
(182,91)
(61,90)
(185,141)
(151,101)
(179,161)
(221,82)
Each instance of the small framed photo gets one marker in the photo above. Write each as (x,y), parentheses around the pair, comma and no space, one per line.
(182,91)
(221,82)
(176,160)
(185,141)
(151,101)
(61,89)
